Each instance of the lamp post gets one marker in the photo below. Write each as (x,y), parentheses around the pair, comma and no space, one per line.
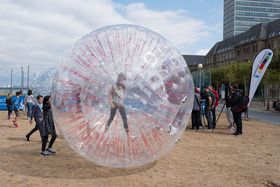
(200,67)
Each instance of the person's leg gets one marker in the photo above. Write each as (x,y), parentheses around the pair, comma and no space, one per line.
(124,118)
(200,119)
(44,143)
(239,119)
(52,141)
(197,116)
(16,117)
(29,110)
(112,116)
(237,122)
(193,119)
(209,118)
(31,132)
(214,117)
(8,116)
(10,113)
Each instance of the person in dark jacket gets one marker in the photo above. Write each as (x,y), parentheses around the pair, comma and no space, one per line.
(9,105)
(47,128)
(208,108)
(196,110)
(234,102)
(37,114)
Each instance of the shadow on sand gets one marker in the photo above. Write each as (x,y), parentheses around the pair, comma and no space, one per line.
(26,160)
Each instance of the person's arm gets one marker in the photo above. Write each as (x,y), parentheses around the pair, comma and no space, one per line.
(217,98)
(210,102)
(110,98)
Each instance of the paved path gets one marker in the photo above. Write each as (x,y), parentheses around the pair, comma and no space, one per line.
(265,116)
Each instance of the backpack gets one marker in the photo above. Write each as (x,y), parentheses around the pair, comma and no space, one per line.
(242,104)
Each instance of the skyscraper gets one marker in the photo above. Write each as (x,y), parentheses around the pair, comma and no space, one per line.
(240,15)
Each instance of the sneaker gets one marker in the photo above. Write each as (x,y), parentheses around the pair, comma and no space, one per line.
(133,136)
(45,153)
(27,138)
(237,133)
(15,124)
(51,151)
(130,135)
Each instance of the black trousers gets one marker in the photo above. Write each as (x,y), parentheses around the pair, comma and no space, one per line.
(196,119)
(33,130)
(10,111)
(238,121)
(213,110)
(123,115)
(45,141)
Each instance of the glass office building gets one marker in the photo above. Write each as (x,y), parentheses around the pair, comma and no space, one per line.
(241,15)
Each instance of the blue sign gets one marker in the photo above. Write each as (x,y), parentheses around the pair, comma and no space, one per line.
(3,105)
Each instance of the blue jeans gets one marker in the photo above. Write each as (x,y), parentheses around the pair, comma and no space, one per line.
(29,109)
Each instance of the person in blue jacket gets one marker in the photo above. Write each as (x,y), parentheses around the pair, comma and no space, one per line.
(16,108)
(37,114)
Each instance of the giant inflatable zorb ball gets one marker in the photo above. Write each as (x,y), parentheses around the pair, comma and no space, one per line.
(42,84)
(122,96)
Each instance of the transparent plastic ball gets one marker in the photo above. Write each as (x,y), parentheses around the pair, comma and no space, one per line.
(122,96)
(42,84)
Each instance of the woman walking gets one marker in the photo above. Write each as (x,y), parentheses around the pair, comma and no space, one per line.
(29,102)
(47,128)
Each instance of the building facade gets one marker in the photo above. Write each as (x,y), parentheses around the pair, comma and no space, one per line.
(241,15)
(245,46)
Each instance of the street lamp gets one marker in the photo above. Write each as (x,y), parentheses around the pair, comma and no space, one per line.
(200,67)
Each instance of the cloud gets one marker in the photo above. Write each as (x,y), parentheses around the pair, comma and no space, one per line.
(39,33)
(202,52)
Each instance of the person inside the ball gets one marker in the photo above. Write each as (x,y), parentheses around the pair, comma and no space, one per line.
(116,100)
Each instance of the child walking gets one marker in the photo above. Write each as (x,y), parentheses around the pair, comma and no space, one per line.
(37,114)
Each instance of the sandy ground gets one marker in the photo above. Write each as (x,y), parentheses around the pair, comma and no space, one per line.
(200,159)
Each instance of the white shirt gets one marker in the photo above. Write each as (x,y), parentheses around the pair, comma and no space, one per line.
(30,99)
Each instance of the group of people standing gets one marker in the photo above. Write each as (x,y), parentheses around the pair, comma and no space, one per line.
(206,101)
(210,99)
(39,110)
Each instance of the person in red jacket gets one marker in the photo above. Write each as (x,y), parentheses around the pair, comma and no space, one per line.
(215,93)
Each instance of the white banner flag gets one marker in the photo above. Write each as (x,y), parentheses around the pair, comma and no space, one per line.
(260,65)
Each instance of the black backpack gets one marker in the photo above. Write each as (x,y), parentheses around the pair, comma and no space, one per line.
(242,105)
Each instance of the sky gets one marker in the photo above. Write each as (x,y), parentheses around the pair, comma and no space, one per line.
(39,33)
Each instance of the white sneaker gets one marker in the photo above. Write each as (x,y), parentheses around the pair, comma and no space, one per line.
(45,153)
(133,136)
(51,151)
